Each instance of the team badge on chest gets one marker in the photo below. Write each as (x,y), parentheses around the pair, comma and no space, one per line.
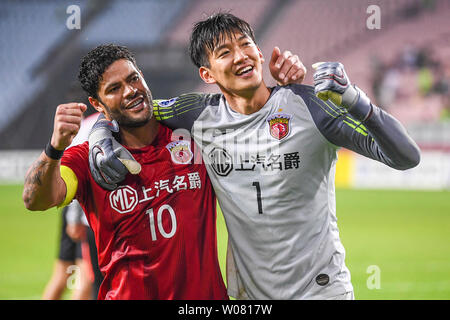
(279,125)
(180,151)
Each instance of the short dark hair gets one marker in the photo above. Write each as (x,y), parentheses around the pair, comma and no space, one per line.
(94,64)
(208,33)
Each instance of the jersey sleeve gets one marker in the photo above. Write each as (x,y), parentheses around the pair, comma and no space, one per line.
(381,137)
(182,111)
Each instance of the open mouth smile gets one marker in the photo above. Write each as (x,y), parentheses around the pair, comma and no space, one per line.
(244,71)
(136,103)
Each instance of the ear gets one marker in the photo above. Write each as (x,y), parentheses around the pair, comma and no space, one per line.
(97,105)
(260,54)
(206,75)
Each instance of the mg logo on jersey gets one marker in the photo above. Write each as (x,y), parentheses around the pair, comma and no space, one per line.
(124,199)
(279,125)
(220,161)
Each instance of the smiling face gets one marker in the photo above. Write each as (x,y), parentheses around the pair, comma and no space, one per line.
(235,65)
(123,95)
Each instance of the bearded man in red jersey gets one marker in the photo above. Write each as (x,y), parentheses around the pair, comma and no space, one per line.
(155,235)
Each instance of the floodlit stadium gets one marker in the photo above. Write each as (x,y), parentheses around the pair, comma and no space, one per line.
(393,224)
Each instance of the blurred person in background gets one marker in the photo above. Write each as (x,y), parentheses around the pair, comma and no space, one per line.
(79,230)
(414,86)
(70,263)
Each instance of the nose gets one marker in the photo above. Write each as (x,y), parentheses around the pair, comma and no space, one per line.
(130,91)
(239,55)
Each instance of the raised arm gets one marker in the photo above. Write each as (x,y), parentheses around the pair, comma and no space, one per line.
(44,188)
(349,119)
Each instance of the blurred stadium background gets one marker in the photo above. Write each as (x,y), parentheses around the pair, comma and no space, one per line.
(398,222)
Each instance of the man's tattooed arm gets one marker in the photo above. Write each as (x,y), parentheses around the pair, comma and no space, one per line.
(44,188)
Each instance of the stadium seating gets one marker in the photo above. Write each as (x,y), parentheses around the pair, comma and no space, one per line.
(39,69)
(27,30)
(133,23)
(324,31)
(33,34)
(426,31)
(251,11)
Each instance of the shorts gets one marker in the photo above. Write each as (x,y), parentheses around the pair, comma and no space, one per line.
(69,250)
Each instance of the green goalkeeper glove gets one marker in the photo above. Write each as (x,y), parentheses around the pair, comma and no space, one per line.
(332,83)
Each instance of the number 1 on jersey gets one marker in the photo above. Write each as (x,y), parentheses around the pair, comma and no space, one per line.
(258,196)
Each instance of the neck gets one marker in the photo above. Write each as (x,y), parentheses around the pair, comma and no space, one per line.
(248,102)
(139,137)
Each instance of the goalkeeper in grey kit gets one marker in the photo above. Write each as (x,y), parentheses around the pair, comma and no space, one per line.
(271,155)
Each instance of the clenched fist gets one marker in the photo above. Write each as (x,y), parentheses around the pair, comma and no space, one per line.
(332,83)
(66,124)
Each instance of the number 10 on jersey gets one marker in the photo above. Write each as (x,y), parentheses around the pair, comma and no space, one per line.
(159,225)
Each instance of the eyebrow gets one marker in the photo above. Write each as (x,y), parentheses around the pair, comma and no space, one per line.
(225,45)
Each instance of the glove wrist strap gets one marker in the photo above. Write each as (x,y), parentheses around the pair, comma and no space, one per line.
(53,153)
(361,107)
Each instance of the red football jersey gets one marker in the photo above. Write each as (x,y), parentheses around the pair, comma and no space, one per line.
(156,233)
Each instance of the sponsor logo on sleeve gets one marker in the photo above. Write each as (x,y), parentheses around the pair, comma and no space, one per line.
(167,103)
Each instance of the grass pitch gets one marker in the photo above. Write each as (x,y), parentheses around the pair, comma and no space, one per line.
(397,243)
(403,233)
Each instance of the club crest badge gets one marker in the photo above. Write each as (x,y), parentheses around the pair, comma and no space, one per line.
(180,151)
(279,125)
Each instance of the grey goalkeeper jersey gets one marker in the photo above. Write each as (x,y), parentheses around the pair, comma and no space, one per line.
(273,174)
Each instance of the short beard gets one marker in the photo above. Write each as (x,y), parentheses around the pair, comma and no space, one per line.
(124,121)
(127,123)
